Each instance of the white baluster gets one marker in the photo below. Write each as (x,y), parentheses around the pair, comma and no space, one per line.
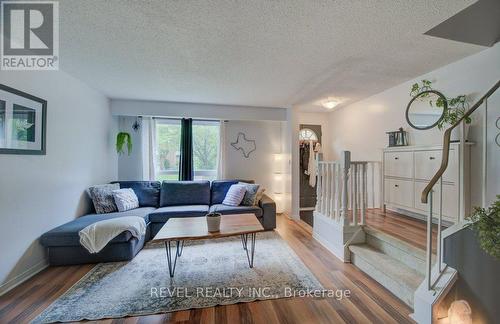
(373,184)
(346,161)
(364,191)
(355,194)
(338,179)
(350,196)
(330,190)
(318,189)
(323,190)
(358,193)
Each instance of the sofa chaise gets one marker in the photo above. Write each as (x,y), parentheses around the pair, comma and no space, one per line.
(158,202)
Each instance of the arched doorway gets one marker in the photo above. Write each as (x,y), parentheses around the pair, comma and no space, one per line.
(309,136)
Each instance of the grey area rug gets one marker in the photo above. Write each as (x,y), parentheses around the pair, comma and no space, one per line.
(209,273)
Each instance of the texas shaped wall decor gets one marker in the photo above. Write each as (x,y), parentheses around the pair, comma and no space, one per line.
(245,145)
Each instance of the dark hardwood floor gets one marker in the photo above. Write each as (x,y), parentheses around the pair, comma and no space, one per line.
(369,301)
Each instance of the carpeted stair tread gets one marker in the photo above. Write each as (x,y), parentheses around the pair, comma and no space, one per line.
(397,277)
(404,252)
(405,246)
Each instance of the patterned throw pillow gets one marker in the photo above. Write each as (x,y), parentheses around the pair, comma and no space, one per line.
(102,197)
(125,199)
(249,198)
(258,196)
(234,195)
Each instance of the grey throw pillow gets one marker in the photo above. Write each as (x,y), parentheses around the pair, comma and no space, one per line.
(125,199)
(102,197)
(258,196)
(250,194)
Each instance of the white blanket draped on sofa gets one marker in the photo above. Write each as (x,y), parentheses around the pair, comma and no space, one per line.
(96,236)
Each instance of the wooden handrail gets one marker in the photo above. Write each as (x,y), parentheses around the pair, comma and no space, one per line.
(446,143)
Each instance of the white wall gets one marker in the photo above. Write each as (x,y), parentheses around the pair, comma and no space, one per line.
(361,127)
(194,110)
(38,193)
(259,166)
(293,128)
(289,138)
(130,166)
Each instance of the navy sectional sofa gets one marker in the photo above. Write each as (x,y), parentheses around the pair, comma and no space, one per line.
(158,202)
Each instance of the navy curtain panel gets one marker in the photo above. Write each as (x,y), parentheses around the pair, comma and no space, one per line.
(186,171)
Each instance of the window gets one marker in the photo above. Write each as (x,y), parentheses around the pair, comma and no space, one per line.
(206,136)
(167,149)
(307,134)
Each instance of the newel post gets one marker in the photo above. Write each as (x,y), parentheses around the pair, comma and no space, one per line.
(346,165)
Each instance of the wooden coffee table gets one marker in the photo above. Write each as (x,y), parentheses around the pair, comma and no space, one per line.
(195,228)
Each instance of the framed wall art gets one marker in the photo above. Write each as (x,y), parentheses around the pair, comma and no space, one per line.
(23,120)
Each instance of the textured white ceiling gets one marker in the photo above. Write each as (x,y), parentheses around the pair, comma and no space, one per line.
(274,53)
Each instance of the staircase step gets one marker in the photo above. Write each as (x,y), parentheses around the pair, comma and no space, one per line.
(400,250)
(394,275)
(405,246)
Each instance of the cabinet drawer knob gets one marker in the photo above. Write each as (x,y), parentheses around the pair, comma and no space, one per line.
(397,186)
(396,158)
(432,158)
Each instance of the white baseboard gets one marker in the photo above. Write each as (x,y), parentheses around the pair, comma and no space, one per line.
(22,277)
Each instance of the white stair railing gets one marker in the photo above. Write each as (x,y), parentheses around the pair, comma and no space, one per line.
(343,189)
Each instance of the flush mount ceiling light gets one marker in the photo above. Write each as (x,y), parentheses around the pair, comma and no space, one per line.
(330,103)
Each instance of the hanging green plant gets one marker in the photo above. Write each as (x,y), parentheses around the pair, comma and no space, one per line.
(457,106)
(486,223)
(121,139)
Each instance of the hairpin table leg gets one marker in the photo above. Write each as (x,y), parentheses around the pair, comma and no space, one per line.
(250,252)
(244,238)
(179,246)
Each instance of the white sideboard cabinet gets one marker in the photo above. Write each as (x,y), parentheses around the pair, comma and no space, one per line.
(407,170)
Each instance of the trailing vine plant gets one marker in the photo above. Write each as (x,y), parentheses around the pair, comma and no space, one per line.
(121,139)
(457,106)
(486,223)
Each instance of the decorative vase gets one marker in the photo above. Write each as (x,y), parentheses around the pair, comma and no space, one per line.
(213,222)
